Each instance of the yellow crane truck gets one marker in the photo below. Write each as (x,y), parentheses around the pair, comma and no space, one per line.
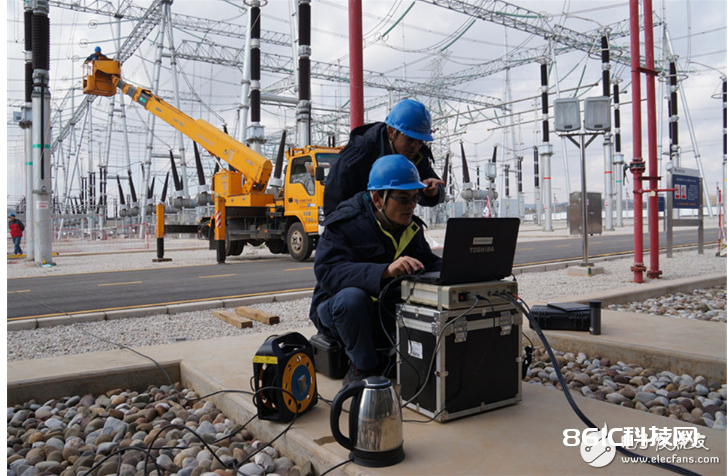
(246,210)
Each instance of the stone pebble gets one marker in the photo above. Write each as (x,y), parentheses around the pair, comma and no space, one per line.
(128,433)
(681,397)
(701,304)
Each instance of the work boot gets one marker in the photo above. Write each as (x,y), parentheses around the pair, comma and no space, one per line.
(356,375)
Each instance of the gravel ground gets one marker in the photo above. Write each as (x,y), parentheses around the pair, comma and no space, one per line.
(164,329)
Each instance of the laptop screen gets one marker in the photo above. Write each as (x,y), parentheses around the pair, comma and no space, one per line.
(478,249)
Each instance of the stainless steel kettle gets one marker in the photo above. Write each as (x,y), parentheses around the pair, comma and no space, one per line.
(375,422)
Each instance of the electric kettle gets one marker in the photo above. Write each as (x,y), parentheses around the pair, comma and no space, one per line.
(375,422)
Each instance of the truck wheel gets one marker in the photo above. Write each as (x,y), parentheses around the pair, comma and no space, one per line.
(233,248)
(276,247)
(237,247)
(299,244)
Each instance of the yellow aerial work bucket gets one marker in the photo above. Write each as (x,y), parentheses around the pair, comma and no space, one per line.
(99,77)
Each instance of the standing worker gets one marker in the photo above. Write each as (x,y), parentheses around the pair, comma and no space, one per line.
(16,232)
(405,131)
(371,239)
(96,55)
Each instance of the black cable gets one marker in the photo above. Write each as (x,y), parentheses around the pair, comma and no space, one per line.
(255,395)
(518,302)
(337,466)
(121,346)
(120,451)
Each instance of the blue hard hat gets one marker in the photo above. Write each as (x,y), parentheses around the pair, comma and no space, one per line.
(394,172)
(412,119)
(11,215)
(97,49)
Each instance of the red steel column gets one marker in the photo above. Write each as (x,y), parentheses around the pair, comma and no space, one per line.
(356,64)
(652,203)
(638,165)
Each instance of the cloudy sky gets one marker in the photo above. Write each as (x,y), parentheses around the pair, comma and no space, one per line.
(411,49)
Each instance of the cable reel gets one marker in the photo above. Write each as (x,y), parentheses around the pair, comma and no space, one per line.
(284,361)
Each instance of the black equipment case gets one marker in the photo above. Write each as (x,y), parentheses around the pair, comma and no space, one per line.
(329,357)
(476,366)
(564,316)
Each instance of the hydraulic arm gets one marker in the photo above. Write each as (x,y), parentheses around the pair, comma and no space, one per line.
(255,168)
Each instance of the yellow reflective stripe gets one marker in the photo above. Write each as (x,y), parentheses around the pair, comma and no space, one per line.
(418,159)
(407,236)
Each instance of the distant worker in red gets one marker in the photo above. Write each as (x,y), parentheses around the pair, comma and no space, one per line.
(16,232)
(405,131)
(96,55)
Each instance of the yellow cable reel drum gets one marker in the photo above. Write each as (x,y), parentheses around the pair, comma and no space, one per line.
(284,362)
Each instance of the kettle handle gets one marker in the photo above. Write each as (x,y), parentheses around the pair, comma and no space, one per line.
(345,393)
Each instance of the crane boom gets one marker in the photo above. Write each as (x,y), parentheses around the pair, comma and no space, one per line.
(105,78)
(255,168)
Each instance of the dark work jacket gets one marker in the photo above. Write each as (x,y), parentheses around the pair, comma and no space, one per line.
(350,172)
(354,252)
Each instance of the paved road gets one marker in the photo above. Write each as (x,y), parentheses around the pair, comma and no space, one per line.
(54,295)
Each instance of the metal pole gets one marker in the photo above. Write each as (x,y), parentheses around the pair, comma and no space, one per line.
(167,8)
(618,157)
(584,215)
(303,109)
(28,132)
(537,188)
(245,85)
(356,64)
(652,203)
(41,135)
(256,134)
(608,167)
(725,146)
(638,165)
(546,150)
(150,136)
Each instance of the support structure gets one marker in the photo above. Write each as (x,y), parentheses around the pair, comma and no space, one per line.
(150,136)
(608,168)
(546,150)
(618,163)
(167,12)
(356,64)
(637,166)
(537,188)
(26,124)
(303,109)
(41,135)
(256,135)
(725,148)
(652,202)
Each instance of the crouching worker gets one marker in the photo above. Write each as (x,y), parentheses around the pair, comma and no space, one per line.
(369,240)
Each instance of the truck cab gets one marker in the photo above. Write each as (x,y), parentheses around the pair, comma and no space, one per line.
(303,195)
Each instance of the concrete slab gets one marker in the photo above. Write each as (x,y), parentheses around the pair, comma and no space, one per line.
(84,317)
(661,342)
(526,438)
(22,325)
(585,271)
(135,312)
(193,306)
(62,321)
(649,289)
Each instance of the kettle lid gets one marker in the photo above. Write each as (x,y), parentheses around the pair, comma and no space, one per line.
(377,381)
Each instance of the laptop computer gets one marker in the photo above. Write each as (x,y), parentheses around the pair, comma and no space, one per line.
(476,250)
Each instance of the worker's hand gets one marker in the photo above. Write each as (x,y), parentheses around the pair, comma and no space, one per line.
(402,265)
(432,186)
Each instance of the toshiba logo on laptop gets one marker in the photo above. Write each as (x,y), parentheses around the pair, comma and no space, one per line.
(482,244)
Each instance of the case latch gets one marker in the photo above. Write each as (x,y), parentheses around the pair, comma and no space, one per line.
(460,329)
(506,322)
